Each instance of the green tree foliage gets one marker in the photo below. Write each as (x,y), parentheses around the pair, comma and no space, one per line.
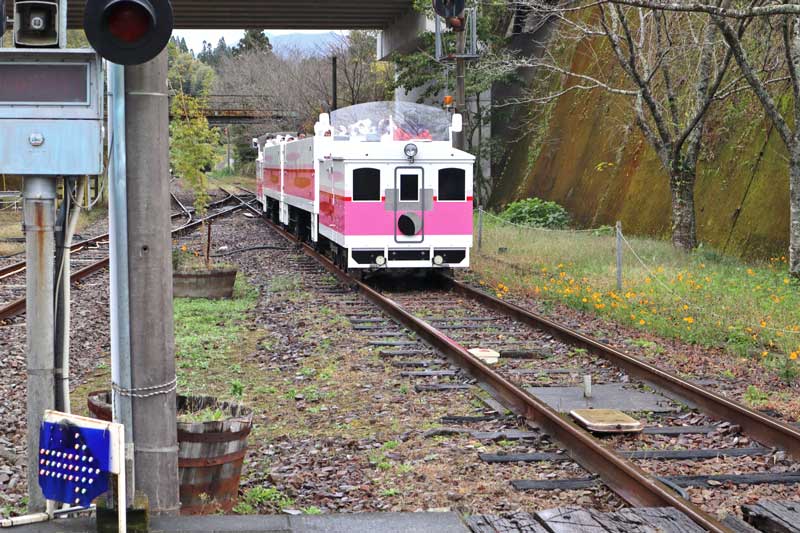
(193,145)
(536,212)
(361,78)
(213,56)
(187,75)
(421,70)
(253,41)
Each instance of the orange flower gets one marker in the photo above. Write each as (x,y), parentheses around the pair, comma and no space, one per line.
(689,320)
(793,356)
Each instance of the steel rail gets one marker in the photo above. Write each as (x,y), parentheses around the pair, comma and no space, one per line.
(182,207)
(18,268)
(761,427)
(17,307)
(631,483)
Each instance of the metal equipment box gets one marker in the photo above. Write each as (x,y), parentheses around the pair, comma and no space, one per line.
(51,112)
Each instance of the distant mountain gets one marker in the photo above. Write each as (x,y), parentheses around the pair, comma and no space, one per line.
(308,43)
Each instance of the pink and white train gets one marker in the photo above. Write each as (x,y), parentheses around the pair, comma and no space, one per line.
(379,186)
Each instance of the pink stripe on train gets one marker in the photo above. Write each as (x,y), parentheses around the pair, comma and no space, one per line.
(372,218)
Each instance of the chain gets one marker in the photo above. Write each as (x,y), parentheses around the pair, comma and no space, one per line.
(144,392)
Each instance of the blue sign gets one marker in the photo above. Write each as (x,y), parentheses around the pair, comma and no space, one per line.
(74,463)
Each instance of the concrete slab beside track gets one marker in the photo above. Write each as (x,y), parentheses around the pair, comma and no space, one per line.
(332,523)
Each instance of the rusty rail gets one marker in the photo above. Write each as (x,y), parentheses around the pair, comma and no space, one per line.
(17,307)
(631,483)
(18,268)
(763,428)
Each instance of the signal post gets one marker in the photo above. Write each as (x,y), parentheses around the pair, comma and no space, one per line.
(51,112)
(134,34)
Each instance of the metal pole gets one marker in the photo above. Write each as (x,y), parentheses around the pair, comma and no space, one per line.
(120,291)
(480,228)
(61,324)
(155,430)
(619,256)
(39,206)
(335,69)
(461,94)
(228,134)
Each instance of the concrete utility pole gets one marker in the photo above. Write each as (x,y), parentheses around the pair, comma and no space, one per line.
(335,82)
(150,278)
(39,208)
(459,139)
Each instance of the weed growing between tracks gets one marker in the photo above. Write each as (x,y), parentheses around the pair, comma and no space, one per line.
(210,341)
(703,298)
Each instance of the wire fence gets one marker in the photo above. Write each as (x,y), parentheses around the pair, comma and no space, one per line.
(624,268)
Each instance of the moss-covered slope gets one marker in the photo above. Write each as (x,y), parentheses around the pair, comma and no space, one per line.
(593,159)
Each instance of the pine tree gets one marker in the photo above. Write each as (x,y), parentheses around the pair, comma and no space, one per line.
(253,41)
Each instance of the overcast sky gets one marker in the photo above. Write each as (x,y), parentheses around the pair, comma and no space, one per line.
(195,38)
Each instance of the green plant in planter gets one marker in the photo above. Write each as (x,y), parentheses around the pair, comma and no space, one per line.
(193,145)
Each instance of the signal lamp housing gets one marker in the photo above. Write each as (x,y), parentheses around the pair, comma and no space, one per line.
(128,32)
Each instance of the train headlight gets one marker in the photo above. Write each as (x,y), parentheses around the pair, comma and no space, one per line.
(438,260)
(380,260)
(411,150)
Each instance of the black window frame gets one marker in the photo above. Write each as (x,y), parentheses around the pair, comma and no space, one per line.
(373,170)
(416,188)
(448,198)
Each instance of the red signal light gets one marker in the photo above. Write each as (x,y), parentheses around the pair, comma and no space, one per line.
(128,32)
(129,21)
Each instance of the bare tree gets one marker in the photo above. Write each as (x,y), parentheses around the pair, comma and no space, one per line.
(674,67)
(789,133)
(760,80)
(361,78)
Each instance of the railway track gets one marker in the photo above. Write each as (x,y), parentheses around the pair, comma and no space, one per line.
(19,267)
(717,433)
(91,256)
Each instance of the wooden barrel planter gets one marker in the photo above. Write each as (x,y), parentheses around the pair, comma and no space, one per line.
(211,455)
(211,452)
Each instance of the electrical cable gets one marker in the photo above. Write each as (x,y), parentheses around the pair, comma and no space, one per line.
(254,248)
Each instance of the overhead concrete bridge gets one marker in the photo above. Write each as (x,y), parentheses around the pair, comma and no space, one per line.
(399,23)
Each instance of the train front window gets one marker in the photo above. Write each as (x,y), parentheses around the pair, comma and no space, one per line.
(409,188)
(452,185)
(366,185)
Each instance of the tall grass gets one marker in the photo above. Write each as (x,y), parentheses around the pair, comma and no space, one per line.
(751,309)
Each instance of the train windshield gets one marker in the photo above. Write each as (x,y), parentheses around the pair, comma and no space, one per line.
(391,121)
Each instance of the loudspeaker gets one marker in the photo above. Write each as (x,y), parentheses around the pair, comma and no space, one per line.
(36,24)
